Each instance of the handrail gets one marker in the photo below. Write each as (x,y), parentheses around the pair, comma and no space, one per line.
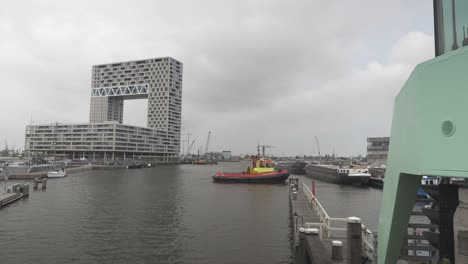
(311,197)
(325,223)
(326,219)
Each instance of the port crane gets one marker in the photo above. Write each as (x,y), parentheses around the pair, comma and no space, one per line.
(207,143)
(263,149)
(190,147)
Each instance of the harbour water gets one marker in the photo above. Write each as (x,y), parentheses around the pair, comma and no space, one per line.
(167,214)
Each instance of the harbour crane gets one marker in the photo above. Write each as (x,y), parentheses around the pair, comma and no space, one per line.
(207,143)
(190,147)
(263,148)
(318,147)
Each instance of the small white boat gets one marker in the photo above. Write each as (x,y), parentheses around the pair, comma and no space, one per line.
(56,173)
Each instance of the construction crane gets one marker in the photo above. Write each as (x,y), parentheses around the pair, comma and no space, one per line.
(318,147)
(263,149)
(207,143)
(189,148)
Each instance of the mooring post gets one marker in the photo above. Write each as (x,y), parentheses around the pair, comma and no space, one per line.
(25,190)
(337,250)
(313,187)
(296,182)
(354,240)
(44,183)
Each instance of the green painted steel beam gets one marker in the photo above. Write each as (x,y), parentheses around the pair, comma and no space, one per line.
(429,137)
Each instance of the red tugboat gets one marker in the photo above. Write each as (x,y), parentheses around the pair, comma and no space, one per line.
(263,170)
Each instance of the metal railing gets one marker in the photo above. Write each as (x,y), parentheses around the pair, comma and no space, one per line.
(329,224)
(326,222)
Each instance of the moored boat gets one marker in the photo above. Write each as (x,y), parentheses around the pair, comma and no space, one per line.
(376,182)
(58,173)
(263,170)
(204,162)
(293,167)
(353,175)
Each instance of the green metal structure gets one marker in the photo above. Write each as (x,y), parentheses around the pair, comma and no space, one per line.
(429,136)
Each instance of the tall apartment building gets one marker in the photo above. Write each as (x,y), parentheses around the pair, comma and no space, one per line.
(159,80)
(377,150)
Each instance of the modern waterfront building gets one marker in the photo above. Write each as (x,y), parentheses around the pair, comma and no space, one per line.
(377,150)
(159,80)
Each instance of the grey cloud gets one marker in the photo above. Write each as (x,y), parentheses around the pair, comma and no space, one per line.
(274,71)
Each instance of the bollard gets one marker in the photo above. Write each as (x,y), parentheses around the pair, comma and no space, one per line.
(25,190)
(44,183)
(35,183)
(295,181)
(337,250)
(354,240)
(313,187)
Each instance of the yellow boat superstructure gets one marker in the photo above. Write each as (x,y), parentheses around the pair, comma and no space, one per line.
(261,165)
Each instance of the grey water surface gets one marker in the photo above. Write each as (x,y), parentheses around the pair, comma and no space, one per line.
(167,214)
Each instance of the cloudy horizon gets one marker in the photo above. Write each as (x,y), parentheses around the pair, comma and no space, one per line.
(271,72)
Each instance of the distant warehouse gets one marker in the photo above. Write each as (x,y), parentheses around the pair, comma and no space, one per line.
(159,80)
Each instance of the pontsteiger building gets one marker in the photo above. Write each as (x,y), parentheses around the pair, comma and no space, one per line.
(159,80)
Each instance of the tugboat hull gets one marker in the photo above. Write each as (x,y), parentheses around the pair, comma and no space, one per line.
(271,177)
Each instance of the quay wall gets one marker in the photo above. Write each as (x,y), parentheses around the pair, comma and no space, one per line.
(26,173)
(43,173)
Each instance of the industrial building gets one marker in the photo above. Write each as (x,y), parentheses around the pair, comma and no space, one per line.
(159,80)
(377,150)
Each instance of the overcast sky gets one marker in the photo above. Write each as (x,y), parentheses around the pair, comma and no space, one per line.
(274,72)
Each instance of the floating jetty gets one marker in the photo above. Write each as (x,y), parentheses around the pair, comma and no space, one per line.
(17,192)
(319,238)
(8,198)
